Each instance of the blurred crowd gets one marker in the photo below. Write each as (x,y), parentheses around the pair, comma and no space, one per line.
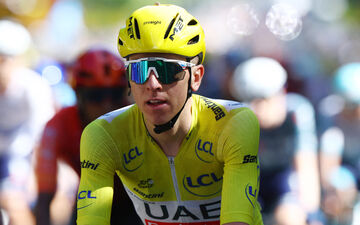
(295,63)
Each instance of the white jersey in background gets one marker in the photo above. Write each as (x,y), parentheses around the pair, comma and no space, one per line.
(25,107)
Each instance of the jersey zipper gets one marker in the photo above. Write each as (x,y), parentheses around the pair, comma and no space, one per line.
(174,178)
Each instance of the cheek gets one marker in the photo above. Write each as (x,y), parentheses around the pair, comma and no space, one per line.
(135,92)
(177,88)
(178,94)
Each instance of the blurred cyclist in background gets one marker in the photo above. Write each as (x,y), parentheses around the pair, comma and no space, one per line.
(98,78)
(289,177)
(26,104)
(340,147)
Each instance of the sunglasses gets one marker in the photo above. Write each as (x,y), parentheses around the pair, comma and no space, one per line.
(98,95)
(166,71)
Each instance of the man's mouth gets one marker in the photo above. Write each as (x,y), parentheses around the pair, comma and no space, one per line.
(155,102)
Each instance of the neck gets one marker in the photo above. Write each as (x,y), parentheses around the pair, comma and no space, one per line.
(170,141)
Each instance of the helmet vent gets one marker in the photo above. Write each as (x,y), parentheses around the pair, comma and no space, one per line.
(137,31)
(192,22)
(193,40)
(170,26)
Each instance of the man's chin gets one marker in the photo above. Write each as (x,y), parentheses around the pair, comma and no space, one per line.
(160,122)
(158,119)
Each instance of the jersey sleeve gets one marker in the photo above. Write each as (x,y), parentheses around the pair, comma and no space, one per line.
(95,192)
(46,159)
(239,141)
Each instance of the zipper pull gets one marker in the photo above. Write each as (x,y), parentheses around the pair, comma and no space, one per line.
(171,160)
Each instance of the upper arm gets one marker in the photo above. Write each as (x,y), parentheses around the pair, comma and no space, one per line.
(303,116)
(239,142)
(95,193)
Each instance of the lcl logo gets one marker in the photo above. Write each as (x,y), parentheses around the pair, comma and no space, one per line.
(131,160)
(204,151)
(199,186)
(85,194)
(132,154)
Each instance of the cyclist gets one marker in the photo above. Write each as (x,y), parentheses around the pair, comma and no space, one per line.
(26,104)
(98,78)
(290,185)
(183,158)
(340,155)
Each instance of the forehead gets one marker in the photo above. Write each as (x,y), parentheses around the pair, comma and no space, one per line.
(162,55)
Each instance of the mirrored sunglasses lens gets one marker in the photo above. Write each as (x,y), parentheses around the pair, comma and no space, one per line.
(173,69)
(167,72)
(137,72)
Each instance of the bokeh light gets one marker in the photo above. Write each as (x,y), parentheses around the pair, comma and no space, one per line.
(52,74)
(243,19)
(21,6)
(330,12)
(284,21)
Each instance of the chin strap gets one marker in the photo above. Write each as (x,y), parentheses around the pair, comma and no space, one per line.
(167,126)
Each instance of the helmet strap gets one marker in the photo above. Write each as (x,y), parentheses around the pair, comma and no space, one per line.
(167,126)
(129,92)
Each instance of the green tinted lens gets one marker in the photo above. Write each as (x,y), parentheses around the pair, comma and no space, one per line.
(175,71)
(166,71)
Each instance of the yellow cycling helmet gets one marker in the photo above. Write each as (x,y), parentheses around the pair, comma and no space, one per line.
(162,28)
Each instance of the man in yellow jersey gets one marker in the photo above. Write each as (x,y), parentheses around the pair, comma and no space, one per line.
(183,158)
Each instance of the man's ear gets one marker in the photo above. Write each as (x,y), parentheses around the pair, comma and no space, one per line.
(198,73)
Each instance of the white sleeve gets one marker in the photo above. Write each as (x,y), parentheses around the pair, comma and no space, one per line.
(41,108)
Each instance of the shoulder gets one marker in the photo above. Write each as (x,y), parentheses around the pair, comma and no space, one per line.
(66,112)
(65,115)
(31,79)
(301,108)
(227,117)
(237,128)
(57,124)
(110,132)
(296,102)
(219,108)
(124,118)
(38,91)
(119,114)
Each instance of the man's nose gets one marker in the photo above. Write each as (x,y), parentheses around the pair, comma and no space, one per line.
(153,83)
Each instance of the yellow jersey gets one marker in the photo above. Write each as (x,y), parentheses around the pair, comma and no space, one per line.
(214,179)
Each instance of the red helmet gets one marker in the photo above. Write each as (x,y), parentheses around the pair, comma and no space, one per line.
(99,69)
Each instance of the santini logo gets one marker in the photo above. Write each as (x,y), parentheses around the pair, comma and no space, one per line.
(87,164)
(219,113)
(250,159)
(149,196)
